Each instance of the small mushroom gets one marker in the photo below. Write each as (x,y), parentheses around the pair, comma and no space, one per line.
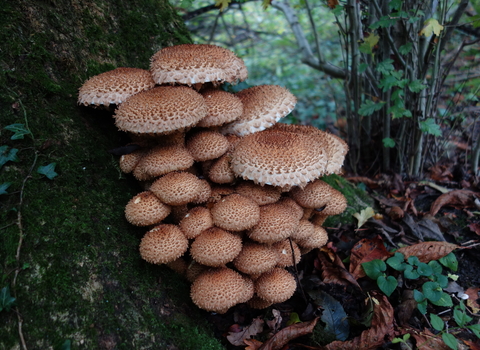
(235,213)
(206,145)
(197,220)
(162,244)
(146,209)
(255,258)
(215,247)
(275,286)
(177,188)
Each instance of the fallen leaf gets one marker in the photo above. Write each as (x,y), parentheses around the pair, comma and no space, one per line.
(426,340)
(333,315)
(396,213)
(280,339)
(458,199)
(237,338)
(471,345)
(472,293)
(332,3)
(363,216)
(440,173)
(275,323)
(364,251)
(474,227)
(253,344)
(332,268)
(428,251)
(431,26)
(372,338)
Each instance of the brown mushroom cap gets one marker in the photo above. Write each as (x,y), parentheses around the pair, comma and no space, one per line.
(115,86)
(235,213)
(193,64)
(206,145)
(178,265)
(284,252)
(219,192)
(276,223)
(146,209)
(194,269)
(215,247)
(223,107)
(263,106)
(197,220)
(294,206)
(275,286)
(258,303)
(317,240)
(220,171)
(304,229)
(219,289)
(262,195)
(205,192)
(177,188)
(161,110)
(161,160)
(318,218)
(129,161)
(255,258)
(279,158)
(337,205)
(163,244)
(315,195)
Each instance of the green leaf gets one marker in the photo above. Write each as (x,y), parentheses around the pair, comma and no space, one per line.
(369,43)
(8,155)
(337,11)
(375,268)
(6,300)
(475,328)
(430,27)
(410,272)
(441,280)
(387,285)
(395,4)
(362,67)
(397,261)
(383,22)
(450,340)
(48,170)
(416,86)
(421,301)
(413,260)
(66,345)
(334,316)
(223,4)
(388,82)
(436,322)
(385,67)
(424,270)
(461,316)
(4,186)
(445,300)
(430,127)
(388,142)
(432,291)
(405,49)
(450,261)
(369,107)
(19,131)
(436,267)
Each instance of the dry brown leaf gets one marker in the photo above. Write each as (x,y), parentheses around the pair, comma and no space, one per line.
(471,345)
(367,181)
(372,338)
(459,199)
(440,173)
(252,344)
(472,293)
(426,340)
(237,338)
(332,268)
(332,3)
(474,227)
(428,251)
(280,339)
(364,251)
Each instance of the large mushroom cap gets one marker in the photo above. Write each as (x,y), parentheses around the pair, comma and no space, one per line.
(215,247)
(263,106)
(193,64)
(279,158)
(161,110)
(115,86)
(163,244)
(219,289)
(146,209)
(235,213)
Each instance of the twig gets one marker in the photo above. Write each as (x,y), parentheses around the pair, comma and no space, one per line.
(296,271)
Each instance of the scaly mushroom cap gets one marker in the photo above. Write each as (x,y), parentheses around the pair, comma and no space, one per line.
(223,107)
(219,289)
(194,270)
(319,218)
(337,205)
(284,251)
(262,195)
(205,192)
(235,213)
(315,195)
(161,110)
(178,265)
(193,64)
(220,171)
(215,247)
(177,188)
(146,209)
(317,240)
(304,229)
(206,145)
(219,192)
(115,86)
(258,303)
(263,106)
(279,158)
(275,286)
(255,258)
(163,244)
(161,160)
(276,223)
(297,210)
(129,161)
(197,220)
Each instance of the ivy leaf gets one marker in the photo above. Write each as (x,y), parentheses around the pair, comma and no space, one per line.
(431,26)
(388,142)
(48,170)
(223,4)
(370,107)
(430,127)
(8,155)
(450,261)
(19,131)
(363,216)
(4,186)
(387,284)
(6,300)
(450,340)
(374,269)
(437,322)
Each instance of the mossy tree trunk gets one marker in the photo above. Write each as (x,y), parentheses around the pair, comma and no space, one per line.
(67,254)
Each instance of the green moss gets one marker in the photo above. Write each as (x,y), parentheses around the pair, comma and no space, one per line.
(81,277)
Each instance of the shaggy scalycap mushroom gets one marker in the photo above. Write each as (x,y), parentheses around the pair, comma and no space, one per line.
(275,286)
(215,247)
(146,209)
(161,110)
(163,244)
(177,188)
(235,213)
(207,144)
(196,64)
(161,160)
(315,195)
(220,171)
(317,240)
(285,255)
(223,107)
(197,220)
(115,86)
(261,194)
(255,258)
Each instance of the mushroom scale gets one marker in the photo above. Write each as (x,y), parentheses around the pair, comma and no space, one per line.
(177,188)
(215,247)
(146,209)
(275,286)
(235,213)
(162,244)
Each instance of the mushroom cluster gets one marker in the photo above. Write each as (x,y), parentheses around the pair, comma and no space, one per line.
(232,197)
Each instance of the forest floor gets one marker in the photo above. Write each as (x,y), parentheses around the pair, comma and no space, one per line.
(426,298)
